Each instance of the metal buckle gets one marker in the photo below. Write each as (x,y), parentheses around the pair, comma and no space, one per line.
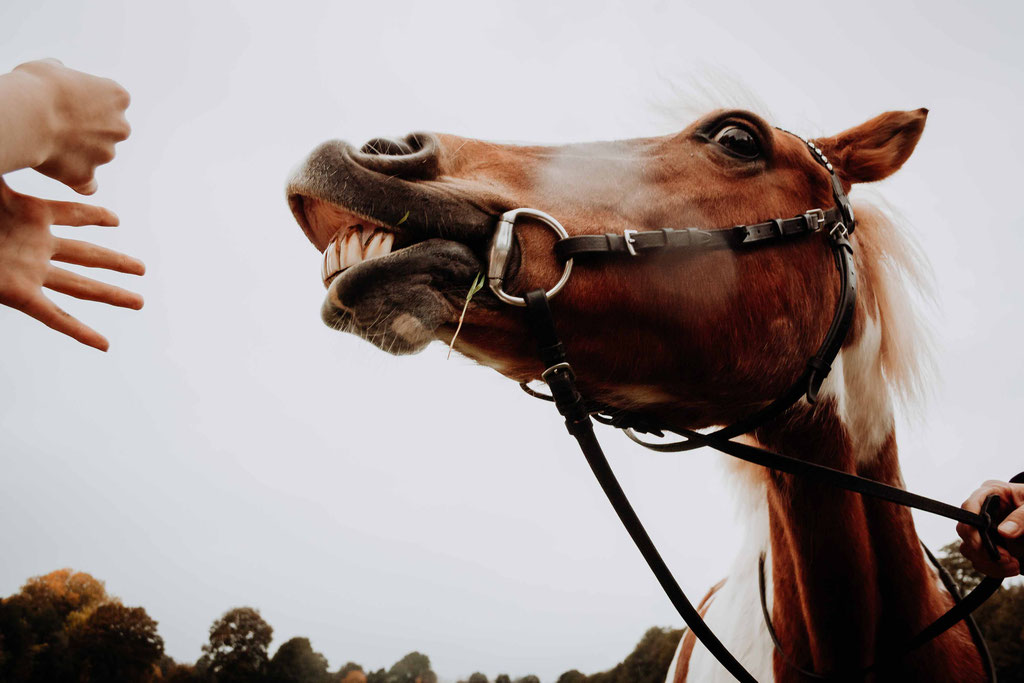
(839,228)
(555,368)
(501,247)
(815,215)
(630,241)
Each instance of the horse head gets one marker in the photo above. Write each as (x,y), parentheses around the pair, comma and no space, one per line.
(694,338)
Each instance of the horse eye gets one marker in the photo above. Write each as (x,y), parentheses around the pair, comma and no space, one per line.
(738,141)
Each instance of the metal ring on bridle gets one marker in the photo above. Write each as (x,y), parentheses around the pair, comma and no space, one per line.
(501,247)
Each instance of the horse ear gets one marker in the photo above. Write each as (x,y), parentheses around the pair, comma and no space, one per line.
(877,148)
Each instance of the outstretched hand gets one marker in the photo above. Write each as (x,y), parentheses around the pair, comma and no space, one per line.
(1011,530)
(27,248)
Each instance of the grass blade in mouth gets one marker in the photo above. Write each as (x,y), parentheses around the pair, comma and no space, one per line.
(478,284)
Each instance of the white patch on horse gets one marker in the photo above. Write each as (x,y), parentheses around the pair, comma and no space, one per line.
(735,612)
(410,329)
(863,398)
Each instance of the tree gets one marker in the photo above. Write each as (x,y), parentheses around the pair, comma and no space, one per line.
(117,643)
(476,678)
(528,679)
(502,678)
(1000,618)
(959,567)
(173,672)
(35,624)
(351,676)
(412,668)
(237,650)
(647,663)
(296,662)
(348,670)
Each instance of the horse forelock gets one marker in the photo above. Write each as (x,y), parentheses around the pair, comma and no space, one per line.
(687,98)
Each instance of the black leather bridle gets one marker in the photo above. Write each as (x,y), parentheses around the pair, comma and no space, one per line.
(837,223)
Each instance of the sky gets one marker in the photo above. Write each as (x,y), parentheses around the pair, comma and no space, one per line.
(231,450)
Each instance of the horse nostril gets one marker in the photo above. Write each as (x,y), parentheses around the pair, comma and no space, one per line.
(386,146)
(417,156)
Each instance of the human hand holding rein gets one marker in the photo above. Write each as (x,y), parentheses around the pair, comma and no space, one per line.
(1011,529)
(27,249)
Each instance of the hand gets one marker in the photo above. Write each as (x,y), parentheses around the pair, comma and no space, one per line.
(85,118)
(27,246)
(1011,529)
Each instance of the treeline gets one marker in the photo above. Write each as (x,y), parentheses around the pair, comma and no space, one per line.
(64,627)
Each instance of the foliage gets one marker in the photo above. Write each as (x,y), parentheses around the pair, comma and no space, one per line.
(117,643)
(237,650)
(647,663)
(1000,619)
(959,567)
(351,676)
(350,673)
(296,662)
(572,676)
(412,668)
(64,626)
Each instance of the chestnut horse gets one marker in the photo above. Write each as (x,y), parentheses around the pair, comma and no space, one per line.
(692,340)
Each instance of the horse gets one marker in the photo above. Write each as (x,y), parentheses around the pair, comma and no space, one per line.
(690,340)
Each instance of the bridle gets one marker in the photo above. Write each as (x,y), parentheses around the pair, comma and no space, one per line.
(838,224)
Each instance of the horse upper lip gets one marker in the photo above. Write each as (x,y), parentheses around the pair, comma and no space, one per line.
(332,174)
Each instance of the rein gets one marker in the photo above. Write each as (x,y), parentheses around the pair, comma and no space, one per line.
(837,223)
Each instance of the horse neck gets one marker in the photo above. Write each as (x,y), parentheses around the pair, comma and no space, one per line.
(848,574)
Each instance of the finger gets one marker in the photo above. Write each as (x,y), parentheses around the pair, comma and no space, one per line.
(1013,525)
(76,214)
(969,534)
(977,499)
(80,287)
(87,254)
(89,187)
(1005,566)
(51,315)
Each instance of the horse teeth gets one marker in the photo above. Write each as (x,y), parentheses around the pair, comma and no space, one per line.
(353,250)
(353,246)
(380,245)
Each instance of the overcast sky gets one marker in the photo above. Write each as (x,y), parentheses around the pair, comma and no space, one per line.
(231,450)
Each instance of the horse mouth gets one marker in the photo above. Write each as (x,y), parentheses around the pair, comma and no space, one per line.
(356,239)
(396,277)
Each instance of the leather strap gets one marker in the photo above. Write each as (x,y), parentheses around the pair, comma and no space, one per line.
(635,242)
(561,381)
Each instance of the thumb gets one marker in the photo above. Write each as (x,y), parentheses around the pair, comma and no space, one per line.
(1013,525)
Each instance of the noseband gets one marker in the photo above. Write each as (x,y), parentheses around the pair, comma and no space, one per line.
(838,224)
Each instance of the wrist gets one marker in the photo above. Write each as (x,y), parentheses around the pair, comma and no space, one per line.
(41,123)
